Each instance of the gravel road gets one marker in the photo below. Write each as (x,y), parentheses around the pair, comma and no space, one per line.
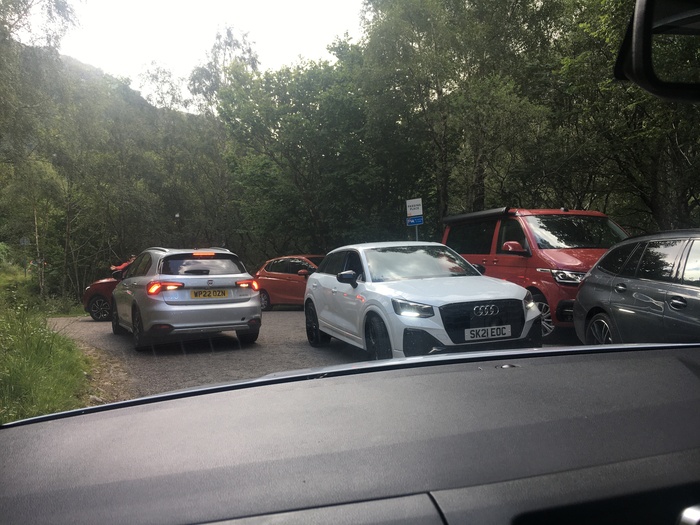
(281,346)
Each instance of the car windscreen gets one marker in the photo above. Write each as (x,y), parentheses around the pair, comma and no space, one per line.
(189,264)
(574,231)
(415,262)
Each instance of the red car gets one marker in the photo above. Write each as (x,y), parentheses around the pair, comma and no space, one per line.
(283,279)
(97,299)
(546,251)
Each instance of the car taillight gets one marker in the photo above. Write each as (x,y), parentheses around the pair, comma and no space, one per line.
(248,283)
(155,287)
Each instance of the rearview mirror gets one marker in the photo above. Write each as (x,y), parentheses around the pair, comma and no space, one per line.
(659,51)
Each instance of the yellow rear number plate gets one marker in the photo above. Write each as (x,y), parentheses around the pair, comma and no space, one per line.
(208,294)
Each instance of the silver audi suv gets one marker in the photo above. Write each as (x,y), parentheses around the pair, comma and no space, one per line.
(168,294)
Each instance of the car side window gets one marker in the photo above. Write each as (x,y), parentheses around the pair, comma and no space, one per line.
(472,237)
(511,230)
(354,263)
(616,258)
(278,266)
(333,263)
(307,266)
(691,274)
(658,260)
(140,266)
(630,267)
(295,265)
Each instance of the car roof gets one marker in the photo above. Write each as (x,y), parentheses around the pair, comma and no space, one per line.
(304,256)
(176,251)
(667,234)
(518,212)
(386,244)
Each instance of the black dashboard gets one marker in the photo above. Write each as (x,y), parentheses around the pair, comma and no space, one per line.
(543,436)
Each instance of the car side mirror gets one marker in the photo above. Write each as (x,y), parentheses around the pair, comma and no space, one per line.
(348,277)
(480,268)
(656,27)
(514,247)
(303,273)
(117,275)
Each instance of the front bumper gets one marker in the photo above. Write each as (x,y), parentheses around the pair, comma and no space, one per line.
(417,342)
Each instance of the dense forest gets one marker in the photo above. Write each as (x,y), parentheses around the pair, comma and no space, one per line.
(467,104)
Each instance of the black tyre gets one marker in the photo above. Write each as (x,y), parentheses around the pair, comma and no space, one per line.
(247,338)
(117,329)
(265,303)
(315,336)
(377,339)
(137,330)
(545,310)
(599,330)
(100,309)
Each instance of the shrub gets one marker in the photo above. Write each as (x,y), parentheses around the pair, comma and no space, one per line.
(41,372)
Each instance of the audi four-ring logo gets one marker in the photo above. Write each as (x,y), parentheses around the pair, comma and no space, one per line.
(485,309)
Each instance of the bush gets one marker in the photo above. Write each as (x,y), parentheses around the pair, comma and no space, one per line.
(41,372)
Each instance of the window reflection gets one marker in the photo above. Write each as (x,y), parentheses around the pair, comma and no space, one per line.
(415,262)
(569,231)
(691,275)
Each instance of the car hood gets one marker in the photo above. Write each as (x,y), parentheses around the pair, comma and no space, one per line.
(445,290)
(574,259)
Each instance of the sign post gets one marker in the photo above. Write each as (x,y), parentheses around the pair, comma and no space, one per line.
(414,213)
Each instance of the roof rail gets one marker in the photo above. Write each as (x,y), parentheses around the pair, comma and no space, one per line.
(494,212)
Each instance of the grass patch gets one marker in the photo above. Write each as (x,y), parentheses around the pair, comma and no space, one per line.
(41,372)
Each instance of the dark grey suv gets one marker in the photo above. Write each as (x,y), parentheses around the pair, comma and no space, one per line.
(645,289)
(171,293)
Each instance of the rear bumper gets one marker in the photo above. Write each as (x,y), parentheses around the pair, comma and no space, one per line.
(163,319)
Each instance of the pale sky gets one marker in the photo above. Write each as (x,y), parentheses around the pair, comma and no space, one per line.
(123,37)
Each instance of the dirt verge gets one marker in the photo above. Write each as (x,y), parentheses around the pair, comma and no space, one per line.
(107,379)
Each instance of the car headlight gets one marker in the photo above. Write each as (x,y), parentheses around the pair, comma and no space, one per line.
(567,277)
(409,309)
(528,301)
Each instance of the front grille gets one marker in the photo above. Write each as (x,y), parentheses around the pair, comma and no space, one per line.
(458,317)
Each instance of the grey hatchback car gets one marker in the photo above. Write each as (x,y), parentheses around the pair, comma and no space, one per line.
(645,289)
(168,294)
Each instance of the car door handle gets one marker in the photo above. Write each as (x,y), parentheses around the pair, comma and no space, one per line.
(621,288)
(334,291)
(678,303)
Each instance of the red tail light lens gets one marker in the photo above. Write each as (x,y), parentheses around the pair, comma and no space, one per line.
(155,287)
(249,283)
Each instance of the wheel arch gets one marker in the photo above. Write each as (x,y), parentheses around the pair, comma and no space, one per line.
(376,312)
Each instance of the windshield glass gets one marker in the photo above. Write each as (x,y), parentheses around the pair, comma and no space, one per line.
(415,262)
(276,132)
(574,231)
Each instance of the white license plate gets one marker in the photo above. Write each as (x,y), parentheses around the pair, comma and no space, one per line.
(208,294)
(489,332)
